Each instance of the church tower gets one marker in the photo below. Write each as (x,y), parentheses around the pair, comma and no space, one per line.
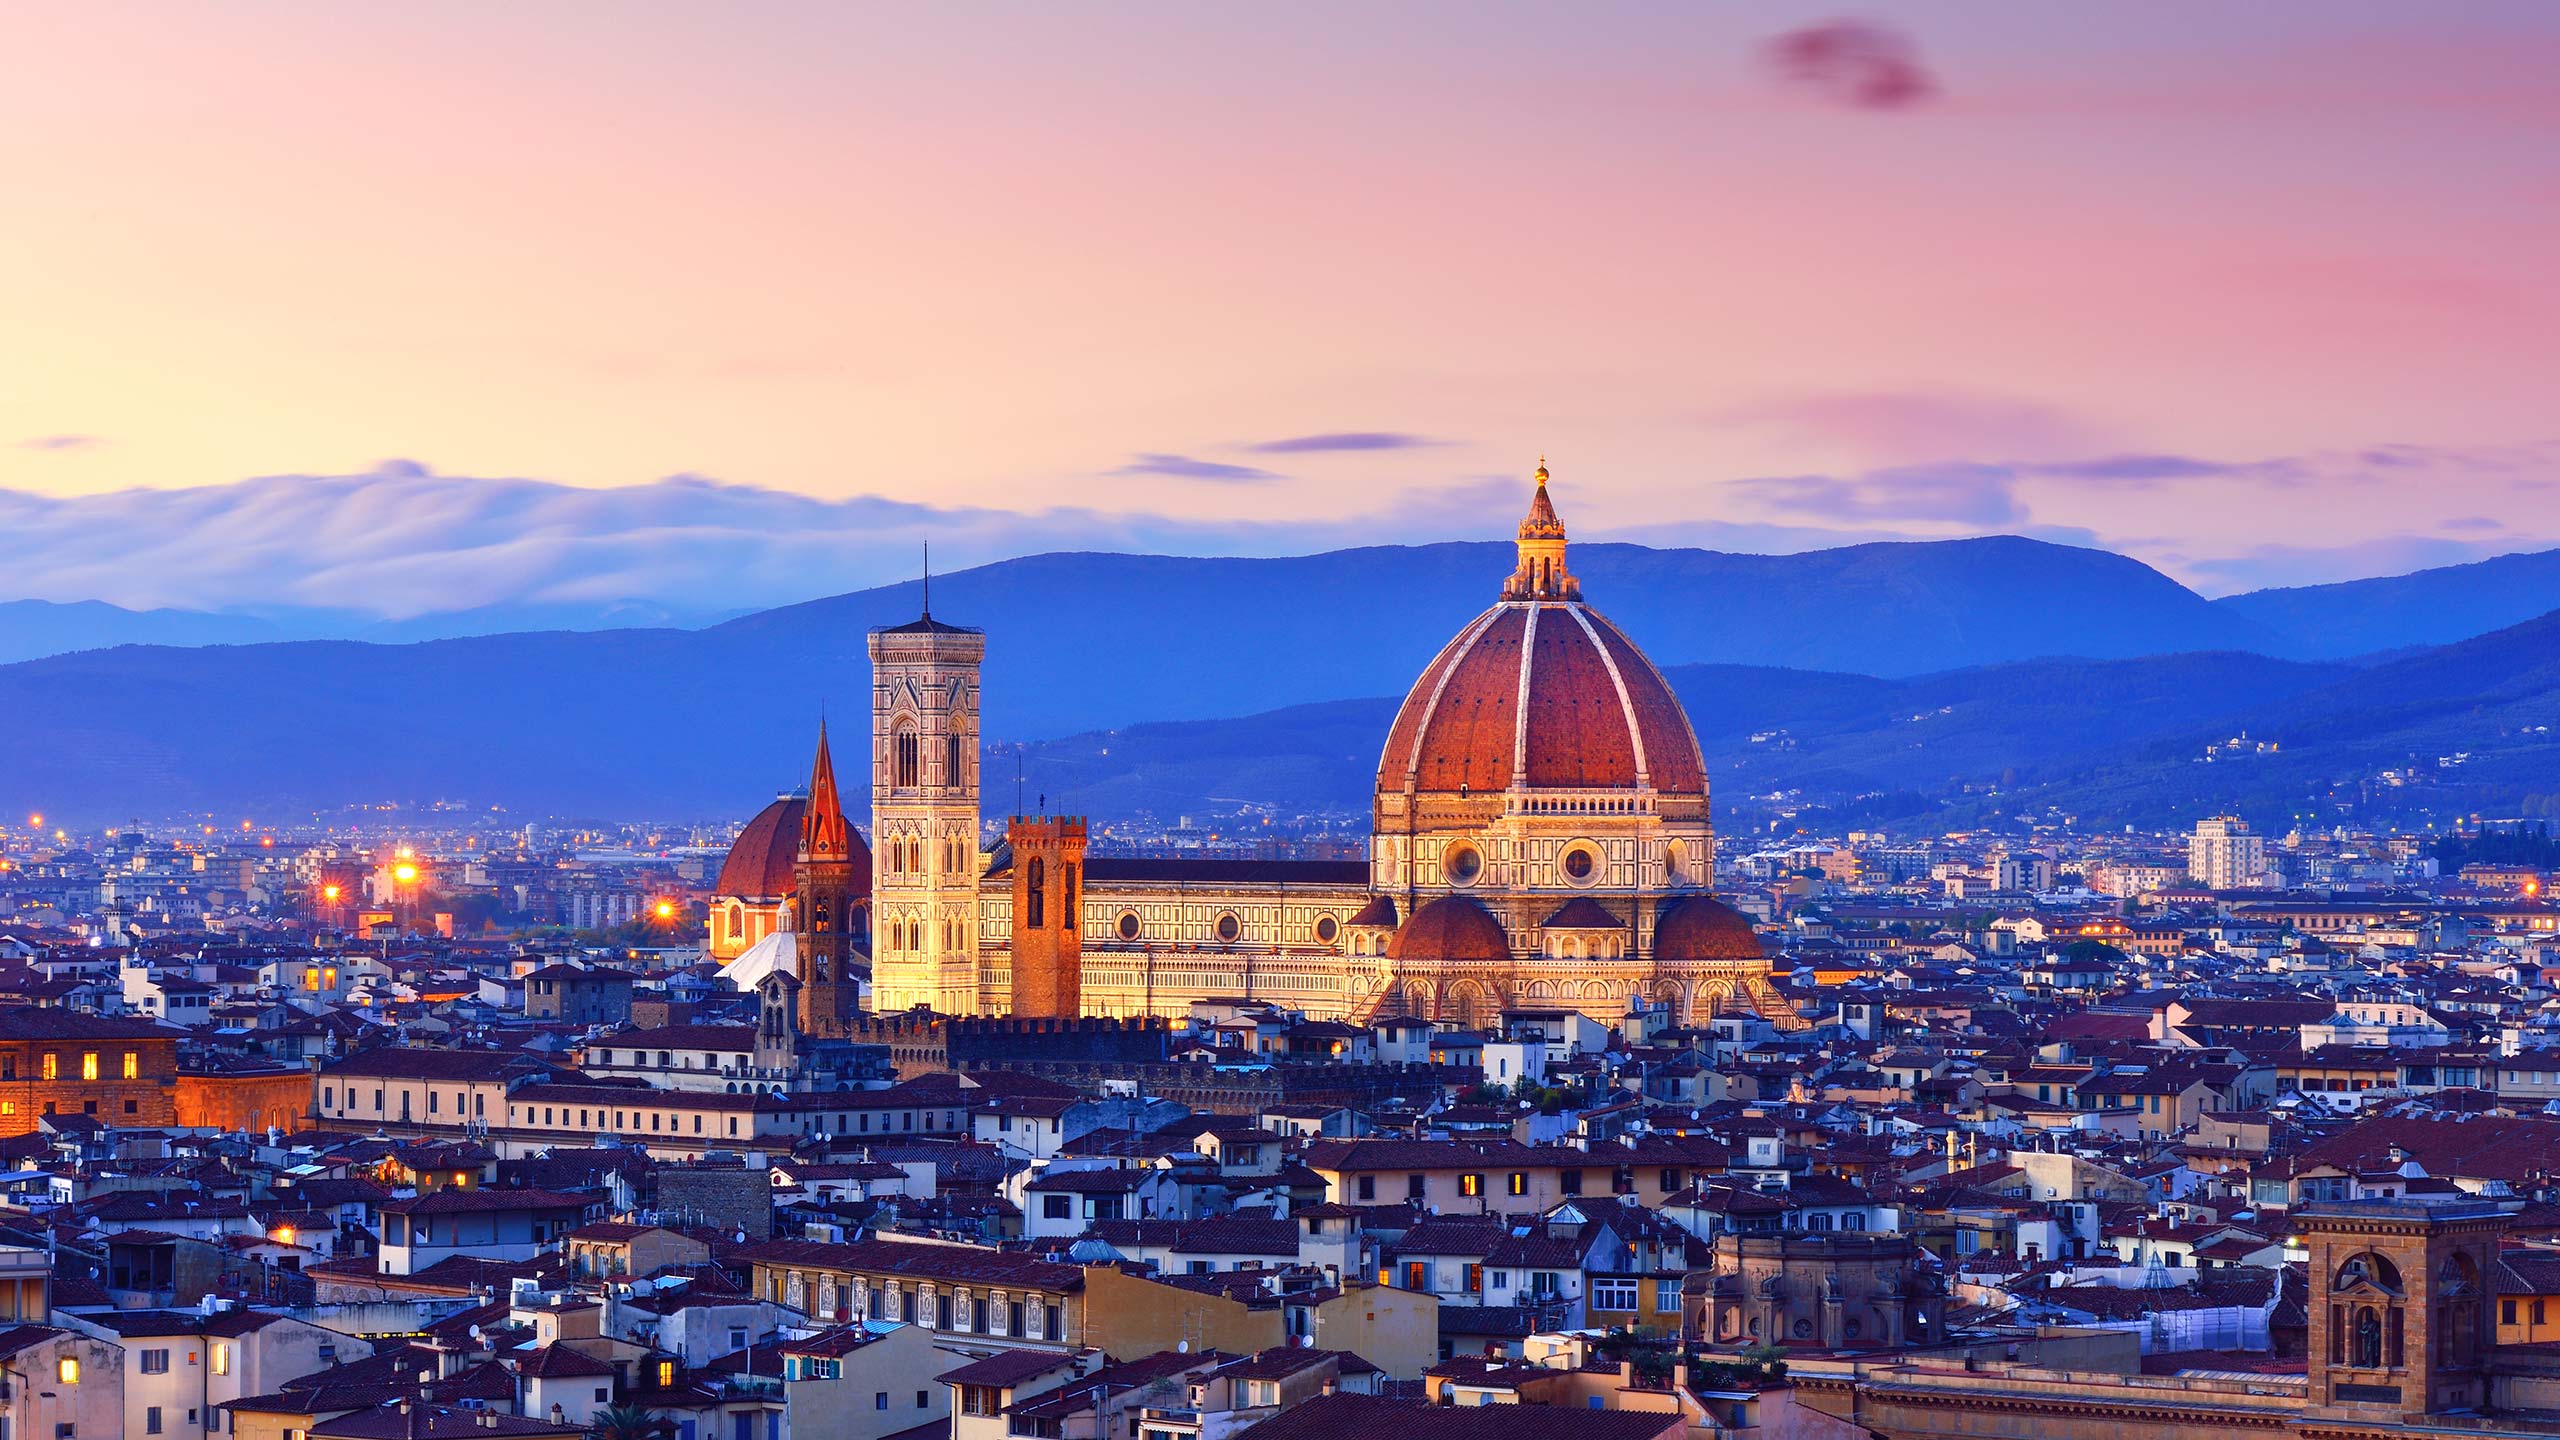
(924,815)
(827,904)
(1048,936)
(2403,1303)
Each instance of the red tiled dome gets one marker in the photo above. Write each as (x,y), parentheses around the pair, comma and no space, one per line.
(761,858)
(1450,928)
(1548,693)
(1697,928)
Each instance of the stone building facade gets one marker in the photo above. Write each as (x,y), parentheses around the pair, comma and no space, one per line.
(2402,1345)
(1835,1291)
(66,1062)
(1541,838)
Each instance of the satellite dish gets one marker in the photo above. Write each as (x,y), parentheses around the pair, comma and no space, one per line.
(1181,1347)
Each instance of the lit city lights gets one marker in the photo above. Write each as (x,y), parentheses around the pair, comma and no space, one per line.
(1640,722)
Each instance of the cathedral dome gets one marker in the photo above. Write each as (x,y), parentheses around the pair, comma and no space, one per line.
(760,859)
(1541,692)
(1697,928)
(1450,928)
(763,858)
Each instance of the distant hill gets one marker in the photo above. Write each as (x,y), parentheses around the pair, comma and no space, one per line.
(1890,668)
(1086,641)
(2468,727)
(2428,607)
(32,629)
(1836,738)
(683,722)
(2109,742)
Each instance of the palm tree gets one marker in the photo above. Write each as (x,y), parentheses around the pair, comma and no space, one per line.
(629,1422)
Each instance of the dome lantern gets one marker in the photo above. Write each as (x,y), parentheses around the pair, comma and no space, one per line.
(1541,574)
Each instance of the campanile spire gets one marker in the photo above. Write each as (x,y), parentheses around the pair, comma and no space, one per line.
(1541,574)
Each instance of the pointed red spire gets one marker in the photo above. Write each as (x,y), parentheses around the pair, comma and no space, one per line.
(822,827)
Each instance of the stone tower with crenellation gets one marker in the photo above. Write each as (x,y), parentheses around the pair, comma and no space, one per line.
(1048,938)
(924,815)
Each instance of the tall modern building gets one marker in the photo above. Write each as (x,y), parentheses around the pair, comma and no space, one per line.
(2223,855)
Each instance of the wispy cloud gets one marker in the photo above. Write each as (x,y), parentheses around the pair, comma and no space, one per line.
(60,442)
(1185,467)
(1853,63)
(1342,440)
(401,541)
(1973,495)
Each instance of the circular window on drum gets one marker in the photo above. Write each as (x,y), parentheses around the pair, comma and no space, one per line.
(1327,929)
(1229,928)
(1128,926)
(1463,864)
(1580,863)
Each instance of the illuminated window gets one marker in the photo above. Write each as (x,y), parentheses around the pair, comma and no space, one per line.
(89,1065)
(52,1067)
(222,1352)
(666,1374)
(132,1066)
(1471,1185)
(67,1370)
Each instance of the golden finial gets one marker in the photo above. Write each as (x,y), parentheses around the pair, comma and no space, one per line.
(1542,469)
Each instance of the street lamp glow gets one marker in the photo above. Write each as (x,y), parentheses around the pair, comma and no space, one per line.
(328,892)
(666,909)
(404,872)
(35,822)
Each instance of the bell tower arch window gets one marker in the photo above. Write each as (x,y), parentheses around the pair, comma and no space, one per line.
(906,756)
(1038,896)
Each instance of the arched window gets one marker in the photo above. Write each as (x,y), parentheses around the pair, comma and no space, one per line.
(1037,900)
(1067,897)
(954,773)
(906,756)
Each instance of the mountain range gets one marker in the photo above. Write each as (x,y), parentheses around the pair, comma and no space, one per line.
(1871,672)
(2452,729)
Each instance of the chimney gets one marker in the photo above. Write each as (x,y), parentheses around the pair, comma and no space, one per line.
(1328,1385)
(1626,1374)
(1680,1378)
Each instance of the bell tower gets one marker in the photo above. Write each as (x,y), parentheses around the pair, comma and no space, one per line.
(828,915)
(924,815)
(1048,936)
(2401,1297)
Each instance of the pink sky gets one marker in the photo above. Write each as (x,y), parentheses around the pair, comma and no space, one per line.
(992,257)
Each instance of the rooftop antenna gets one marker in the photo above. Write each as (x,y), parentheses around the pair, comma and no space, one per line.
(928,580)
